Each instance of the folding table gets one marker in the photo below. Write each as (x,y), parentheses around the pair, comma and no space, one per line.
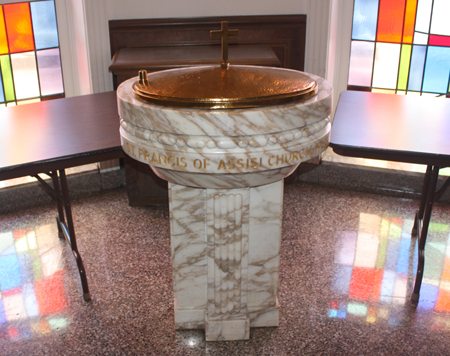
(400,128)
(50,136)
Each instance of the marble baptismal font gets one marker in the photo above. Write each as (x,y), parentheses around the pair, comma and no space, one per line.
(225,137)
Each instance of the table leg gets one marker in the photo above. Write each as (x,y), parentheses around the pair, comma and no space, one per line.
(423,200)
(428,207)
(60,194)
(70,234)
(59,203)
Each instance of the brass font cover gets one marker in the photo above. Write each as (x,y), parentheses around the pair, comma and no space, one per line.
(224,86)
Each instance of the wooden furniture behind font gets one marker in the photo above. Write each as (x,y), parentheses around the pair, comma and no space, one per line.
(158,44)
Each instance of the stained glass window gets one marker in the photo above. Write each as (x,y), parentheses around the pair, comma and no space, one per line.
(401,46)
(30,63)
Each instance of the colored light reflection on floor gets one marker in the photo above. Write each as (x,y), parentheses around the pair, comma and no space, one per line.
(32,292)
(375,268)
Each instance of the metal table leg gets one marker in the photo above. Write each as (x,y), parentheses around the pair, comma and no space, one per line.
(423,230)
(423,200)
(60,193)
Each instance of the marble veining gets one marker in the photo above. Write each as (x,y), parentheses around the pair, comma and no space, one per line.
(224,141)
(227,142)
(235,122)
(227,253)
(225,170)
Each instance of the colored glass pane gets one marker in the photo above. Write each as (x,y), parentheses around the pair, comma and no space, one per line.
(390,20)
(361,62)
(2,93)
(439,20)
(410,18)
(423,15)
(18,26)
(405,57)
(3,39)
(26,80)
(416,68)
(44,24)
(386,65)
(436,40)
(50,76)
(420,38)
(8,85)
(29,101)
(383,91)
(437,69)
(365,20)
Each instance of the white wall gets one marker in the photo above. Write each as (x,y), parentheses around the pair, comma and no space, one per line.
(338,56)
(73,46)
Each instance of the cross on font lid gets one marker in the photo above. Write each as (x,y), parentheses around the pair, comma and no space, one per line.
(224,33)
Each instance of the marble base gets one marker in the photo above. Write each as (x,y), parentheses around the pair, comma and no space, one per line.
(225,252)
(227,330)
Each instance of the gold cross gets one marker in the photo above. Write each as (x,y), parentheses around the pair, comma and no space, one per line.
(224,33)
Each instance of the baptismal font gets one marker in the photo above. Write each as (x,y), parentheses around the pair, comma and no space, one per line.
(225,137)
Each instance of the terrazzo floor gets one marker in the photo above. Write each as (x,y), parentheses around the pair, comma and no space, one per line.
(347,268)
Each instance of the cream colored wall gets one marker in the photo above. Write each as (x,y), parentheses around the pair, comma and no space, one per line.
(197,8)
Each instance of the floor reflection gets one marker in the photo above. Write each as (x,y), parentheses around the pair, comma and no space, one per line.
(32,291)
(375,268)
(347,268)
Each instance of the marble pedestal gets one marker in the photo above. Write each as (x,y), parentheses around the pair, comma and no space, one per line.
(225,170)
(225,250)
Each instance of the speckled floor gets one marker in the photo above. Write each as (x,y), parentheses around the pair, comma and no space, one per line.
(346,274)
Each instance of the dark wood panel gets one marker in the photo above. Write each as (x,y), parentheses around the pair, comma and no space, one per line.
(286,34)
(127,62)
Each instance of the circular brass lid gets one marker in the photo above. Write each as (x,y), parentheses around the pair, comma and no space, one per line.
(214,87)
